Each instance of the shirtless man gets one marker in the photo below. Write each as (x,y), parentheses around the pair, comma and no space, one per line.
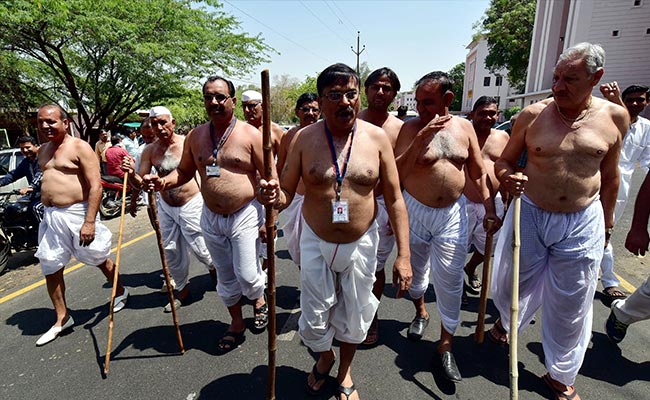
(492,142)
(432,152)
(381,87)
(228,155)
(340,162)
(179,208)
(635,149)
(308,112)
(569,189)
(251,102)
(70,191)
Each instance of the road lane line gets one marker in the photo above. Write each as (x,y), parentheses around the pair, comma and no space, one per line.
(67,270)
(290,327)
(625,284)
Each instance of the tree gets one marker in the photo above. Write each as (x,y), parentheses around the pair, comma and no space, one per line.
(508,28)
(106,59)
(457,73)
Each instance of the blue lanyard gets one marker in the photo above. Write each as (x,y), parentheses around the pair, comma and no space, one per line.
(216,147)
(339,175)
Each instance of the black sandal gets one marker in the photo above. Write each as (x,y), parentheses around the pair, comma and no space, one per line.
(347,391)
(317,378)
(261,317)
(230,341)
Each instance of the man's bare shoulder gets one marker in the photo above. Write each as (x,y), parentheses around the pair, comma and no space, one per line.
(371,130)
(498,135)
(411,127)
(463,123)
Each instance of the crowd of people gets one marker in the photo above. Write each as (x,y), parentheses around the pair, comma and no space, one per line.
(353,185)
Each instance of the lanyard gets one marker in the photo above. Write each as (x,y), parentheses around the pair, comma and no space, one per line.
(339,175)
(216,147)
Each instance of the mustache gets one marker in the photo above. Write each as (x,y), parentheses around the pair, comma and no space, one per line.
(344,112)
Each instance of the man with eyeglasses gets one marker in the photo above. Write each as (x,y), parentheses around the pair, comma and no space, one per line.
(340,161)
(433,150)
(381,87)
(179,208)
(228,155)
(308,112)
(635,148)
(252,105)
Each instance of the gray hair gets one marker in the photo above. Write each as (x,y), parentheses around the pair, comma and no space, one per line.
(593,54)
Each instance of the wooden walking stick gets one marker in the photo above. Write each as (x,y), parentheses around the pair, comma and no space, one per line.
(514,303)
(116,275)
(163,260)
(479,334)
(270,232)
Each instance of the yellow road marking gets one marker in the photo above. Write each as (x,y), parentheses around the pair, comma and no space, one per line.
(68,270)
(625,284)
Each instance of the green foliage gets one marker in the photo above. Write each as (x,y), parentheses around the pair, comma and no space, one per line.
(457,73)
(508,28)
(508,113)
(108,58)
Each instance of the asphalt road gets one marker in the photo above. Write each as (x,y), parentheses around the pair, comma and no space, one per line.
(146,363)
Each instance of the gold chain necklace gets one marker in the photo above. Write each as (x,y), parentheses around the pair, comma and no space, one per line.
(568,122)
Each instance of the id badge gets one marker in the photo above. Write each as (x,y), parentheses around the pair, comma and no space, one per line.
(212,170)
(340,212)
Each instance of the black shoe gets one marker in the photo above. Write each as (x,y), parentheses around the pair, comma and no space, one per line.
(449,367)
(417,327)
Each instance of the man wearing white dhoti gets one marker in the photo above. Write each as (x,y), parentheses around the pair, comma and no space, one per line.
(179,209)
(70,191)
(308,112)
(635,149)
(340,162)
(228,155)
(571,180)
(433,150)
(381,87)
(491,141)
(637,307)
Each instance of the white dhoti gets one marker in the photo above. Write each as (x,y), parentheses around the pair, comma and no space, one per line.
(336,289)
(636,307)
(559,258)
(438,243)
(386,234)
(58,238)
(233,241)
(292,227)
(181,232)
(476,234)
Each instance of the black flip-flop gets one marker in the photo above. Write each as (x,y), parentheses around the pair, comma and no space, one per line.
(317,378)
(347,391)
(230,341)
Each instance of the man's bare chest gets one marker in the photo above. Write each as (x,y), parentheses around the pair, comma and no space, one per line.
(445,145)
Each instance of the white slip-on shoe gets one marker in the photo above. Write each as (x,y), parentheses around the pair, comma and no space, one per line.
(120,301)
(54,331)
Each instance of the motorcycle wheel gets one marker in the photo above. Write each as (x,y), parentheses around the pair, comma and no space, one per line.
(110,205)
(5,252)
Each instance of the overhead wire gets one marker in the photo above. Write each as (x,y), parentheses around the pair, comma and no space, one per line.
(345,25)
(275,31)
(323,23)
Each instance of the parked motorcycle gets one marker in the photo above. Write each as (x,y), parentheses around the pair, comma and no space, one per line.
(111,203)
(18,225)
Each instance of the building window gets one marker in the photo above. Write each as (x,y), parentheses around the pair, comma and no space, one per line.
(486,81)
(637,3)
(647,31)
(616,33)
(498,81)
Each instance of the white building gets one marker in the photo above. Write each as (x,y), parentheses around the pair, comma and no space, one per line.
(479,81)
(622,27)
(405,99)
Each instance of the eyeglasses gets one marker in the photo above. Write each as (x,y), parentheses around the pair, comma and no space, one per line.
(308,109)
(221,98)
(247,106)
(337,96)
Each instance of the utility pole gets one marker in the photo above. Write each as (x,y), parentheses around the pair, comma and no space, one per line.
(358,52)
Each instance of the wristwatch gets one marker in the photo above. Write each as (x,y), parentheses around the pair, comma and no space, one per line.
(608,231)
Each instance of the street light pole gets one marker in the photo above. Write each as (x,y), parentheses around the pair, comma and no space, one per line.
(357,51)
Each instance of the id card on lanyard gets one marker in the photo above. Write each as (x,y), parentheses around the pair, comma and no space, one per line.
(215,169)
(340,212)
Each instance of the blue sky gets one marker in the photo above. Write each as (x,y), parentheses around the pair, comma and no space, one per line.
(411,37)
